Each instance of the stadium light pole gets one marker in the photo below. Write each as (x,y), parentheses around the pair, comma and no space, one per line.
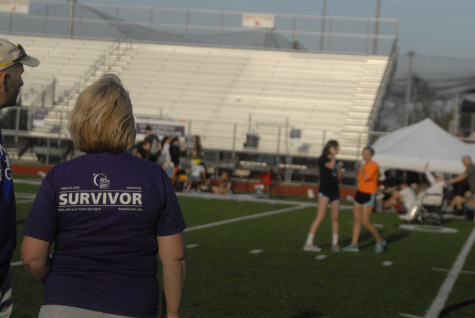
(324,14)
(408,89)
(376,27)
(71,17)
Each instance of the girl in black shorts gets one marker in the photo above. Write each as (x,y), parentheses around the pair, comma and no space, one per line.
(329,193)
(364,202)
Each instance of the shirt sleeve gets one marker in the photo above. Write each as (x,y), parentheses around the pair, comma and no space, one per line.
(171,219)
(42,221)
(429,176)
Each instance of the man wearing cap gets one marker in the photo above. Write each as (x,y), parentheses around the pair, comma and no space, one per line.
(12,59)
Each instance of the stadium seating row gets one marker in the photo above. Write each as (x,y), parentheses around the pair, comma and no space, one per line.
(226,93)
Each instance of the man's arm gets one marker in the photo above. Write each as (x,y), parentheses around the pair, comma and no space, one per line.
(35,256)
(171,250)
(456,179)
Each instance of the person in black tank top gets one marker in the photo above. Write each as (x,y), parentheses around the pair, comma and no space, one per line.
(329,194)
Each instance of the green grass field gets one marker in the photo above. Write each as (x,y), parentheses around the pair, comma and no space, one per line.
(255,266)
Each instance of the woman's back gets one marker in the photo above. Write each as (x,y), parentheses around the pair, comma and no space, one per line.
(105,219)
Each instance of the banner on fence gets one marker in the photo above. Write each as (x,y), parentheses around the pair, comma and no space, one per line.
(295,136)
(161,128)
(258,20)
(39,117)
(17,6)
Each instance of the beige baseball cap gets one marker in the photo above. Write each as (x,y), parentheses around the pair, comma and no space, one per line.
(11,54)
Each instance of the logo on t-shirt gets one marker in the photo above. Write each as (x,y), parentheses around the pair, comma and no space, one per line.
(5,173)
(101,181)
(89,198)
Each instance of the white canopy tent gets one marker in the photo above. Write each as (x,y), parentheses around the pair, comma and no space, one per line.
(411,147)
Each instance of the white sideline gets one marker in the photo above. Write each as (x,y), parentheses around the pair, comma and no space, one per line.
(242,218)
(409,316)
(251,198)
(444,291)
(446,270)
(24,181)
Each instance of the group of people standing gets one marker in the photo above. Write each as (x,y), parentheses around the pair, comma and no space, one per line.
(165,152)
(331,172)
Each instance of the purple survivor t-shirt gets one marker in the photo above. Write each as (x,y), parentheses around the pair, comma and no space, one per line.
(7,213)
(104,213)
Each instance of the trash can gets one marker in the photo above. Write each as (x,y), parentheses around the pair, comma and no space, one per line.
(252,141)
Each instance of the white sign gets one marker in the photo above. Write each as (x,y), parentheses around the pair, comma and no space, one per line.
(18,6)
(257,20)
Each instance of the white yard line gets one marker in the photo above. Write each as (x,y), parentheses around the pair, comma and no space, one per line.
(444,291)
(251,198)
(24,201)
(240,197)
(409,316)
(446,270)
(24,181)
(243,218)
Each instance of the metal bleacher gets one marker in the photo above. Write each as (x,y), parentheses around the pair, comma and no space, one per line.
(222,93)
(66,60)
(227,93)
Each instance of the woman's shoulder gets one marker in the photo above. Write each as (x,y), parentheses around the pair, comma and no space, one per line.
(323,159)
(373,164)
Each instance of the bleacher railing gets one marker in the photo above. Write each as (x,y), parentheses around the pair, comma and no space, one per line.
(313,33)
(274,141)
(384,85)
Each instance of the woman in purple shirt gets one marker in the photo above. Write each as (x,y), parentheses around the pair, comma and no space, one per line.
(108,214)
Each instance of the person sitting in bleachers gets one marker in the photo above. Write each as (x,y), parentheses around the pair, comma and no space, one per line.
(224,185)
(197,179)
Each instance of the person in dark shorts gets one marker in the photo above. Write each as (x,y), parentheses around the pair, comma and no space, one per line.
(468,176)
(329,194)
(364,202)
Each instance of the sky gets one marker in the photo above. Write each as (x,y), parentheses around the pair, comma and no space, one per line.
(428,27)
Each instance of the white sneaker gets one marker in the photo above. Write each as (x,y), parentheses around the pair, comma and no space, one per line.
(311,248)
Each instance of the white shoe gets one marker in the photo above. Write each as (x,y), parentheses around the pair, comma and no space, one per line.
(311,248)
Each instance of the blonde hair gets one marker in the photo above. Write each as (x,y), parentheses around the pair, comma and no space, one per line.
(102,119)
